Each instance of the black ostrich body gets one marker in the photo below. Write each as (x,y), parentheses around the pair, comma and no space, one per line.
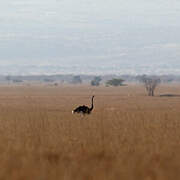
(84,109)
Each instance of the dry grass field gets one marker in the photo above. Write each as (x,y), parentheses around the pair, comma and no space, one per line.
(128,136)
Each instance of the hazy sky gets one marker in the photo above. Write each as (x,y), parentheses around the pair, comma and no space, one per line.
(110,32)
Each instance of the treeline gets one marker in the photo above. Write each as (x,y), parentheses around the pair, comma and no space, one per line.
(108,80)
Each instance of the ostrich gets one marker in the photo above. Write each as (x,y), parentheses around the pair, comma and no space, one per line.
(84,109)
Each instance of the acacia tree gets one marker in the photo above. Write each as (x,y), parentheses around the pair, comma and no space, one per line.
(150,84)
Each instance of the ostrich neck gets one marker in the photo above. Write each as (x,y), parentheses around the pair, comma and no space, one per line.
(92,104)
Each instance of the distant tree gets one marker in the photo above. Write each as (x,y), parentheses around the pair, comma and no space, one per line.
(8,78)
(150,84)
(76,80)
(96,81)
(17,80)
(48,80)
(169,80)
(115,82)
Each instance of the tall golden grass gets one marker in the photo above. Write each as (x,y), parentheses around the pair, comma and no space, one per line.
(128,136)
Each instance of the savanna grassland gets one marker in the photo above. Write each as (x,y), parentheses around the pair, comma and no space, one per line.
(128,136)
